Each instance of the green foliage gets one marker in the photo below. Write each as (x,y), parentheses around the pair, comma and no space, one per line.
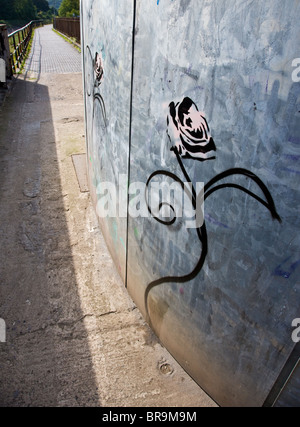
(24,10)
(69,8)
(7,9)
(41,5)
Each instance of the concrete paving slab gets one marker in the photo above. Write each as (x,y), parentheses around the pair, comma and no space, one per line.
(79,162)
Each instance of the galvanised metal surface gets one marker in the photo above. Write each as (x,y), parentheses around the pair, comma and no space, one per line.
(204,92)
(106,38)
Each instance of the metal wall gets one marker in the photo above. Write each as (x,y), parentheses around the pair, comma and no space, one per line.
(205,92)
(106,36)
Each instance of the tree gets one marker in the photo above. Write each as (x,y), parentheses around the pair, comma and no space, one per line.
(69,8)
(7,10)
(41,5)
(25,9)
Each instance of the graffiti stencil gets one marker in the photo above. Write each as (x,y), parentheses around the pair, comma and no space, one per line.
(190,138)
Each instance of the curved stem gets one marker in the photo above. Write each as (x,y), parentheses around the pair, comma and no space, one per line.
(201,231)
(98,97)
(269,203)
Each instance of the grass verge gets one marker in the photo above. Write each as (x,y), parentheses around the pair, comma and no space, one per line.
(70,40)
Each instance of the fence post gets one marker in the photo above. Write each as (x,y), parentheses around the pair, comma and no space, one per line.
(4,51)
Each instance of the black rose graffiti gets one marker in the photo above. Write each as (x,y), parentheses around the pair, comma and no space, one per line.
(190,137)
(98,67)
(189,131)
(94,78)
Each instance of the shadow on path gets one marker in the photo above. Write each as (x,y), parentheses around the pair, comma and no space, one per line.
(46,359)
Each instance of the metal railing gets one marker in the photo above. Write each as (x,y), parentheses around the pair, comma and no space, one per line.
(68,26)
(18,43)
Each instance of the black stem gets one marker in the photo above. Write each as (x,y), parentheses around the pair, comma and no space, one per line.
(202,231)
(269,204)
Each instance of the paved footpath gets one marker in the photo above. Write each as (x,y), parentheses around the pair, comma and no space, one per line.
(50,53)
(73,335)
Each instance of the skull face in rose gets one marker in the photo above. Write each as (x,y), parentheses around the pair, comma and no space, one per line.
(98,68)
(189,132)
